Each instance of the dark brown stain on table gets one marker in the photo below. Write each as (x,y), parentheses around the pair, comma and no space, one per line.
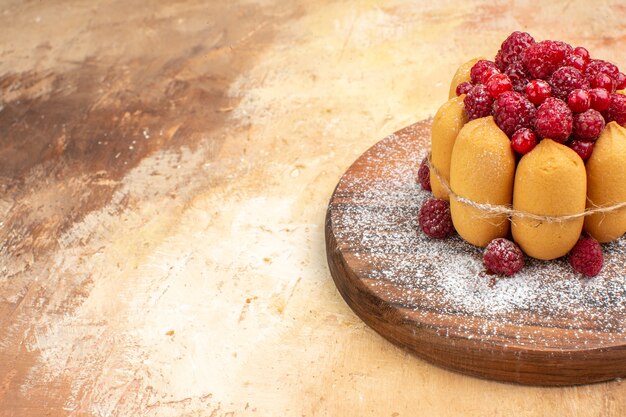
(69,136)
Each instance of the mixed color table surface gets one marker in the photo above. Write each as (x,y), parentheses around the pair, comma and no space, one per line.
(165,169)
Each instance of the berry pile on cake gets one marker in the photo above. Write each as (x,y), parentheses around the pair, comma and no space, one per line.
(538,131)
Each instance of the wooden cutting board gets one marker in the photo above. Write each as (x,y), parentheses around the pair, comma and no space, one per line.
(545,326)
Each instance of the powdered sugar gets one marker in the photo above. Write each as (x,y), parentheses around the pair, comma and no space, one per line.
(374,219)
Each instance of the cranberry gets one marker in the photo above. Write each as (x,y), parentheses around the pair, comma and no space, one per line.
(600,99)
(523,141)
(602,80)
(579,101)
(538,91)
(498,84)
(487,74)
(463,88)
(620,81)
(582,52)
(583,148)
(576,61)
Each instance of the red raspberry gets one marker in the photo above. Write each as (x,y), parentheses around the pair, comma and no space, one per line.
(512,48)
(523,141)
(598,66)
(579,101)
(620,81)
(554,120)
(582,52)
(478,102)
(545,57)
(498,84)
(617,109)
(583,148)
(586,257)
(518,75)
(576,61)
(538,91)
(588,125)
(502,256)
(600,99)
(434,218)
(602,80)
(423,175)
(565,80)
(463,88)
(512,111)
(479,68)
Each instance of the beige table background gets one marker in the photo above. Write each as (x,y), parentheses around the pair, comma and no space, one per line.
(165,169)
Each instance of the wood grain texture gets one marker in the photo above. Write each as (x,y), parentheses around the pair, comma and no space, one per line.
(453,341)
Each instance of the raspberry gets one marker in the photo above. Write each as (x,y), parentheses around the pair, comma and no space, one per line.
(545,57)
(583,148)
(479,68)
(434,218)
(463,88)
(620,81)
(576,61)
(598,66)
(423,174)
(519,76)
(617,109)
(512,111)
(578,100)
(498,84)
(582,52)
(588,125)
(502,256)
(565,80)
(478,102)
(554,120)
(602,80)
(600,99)
(512,48)
(523,141)
(538,91)
(586,256)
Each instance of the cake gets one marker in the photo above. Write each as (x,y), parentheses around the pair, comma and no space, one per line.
(528,156)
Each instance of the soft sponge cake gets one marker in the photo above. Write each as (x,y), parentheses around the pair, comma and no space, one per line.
(482,170)
(606,184)
(550,181)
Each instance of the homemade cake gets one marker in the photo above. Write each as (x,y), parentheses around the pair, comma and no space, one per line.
(530,151)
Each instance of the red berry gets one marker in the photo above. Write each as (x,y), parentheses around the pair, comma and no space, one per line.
(478,102)
(504,257)
(620,81)
(554,120)
(576,61)
(479,68)
(519,76)
(582,52)
(512,48)
(602,80)
(600,99)
(538,91)
(423,174)
(545,57)
(578,100)
(487,74)
(583,148)
(512,111)
(463,88)
(434,218)
(498,84)
(617,109)
(588,125)
(565,80)
(586,257)
(598,66)
(523,141)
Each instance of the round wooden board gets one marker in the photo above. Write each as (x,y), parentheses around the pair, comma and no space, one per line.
(544,326)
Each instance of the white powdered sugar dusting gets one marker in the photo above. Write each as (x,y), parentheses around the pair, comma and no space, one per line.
(374,219)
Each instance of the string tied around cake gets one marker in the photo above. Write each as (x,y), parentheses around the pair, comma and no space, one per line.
(507,210)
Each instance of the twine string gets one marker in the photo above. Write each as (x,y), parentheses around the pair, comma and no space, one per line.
(507,210)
